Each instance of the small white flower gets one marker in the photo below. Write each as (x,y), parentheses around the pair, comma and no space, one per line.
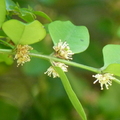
(104,79)
(63,51)
(22,54)
(51,71)
(61,65)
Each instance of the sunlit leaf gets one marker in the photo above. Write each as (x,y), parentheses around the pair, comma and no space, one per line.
(72,96)
(24,33)
(76,36)
(2,11)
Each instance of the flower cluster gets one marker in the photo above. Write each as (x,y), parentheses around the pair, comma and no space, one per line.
(104,79)
(22,54)
(62,50)
(51,71)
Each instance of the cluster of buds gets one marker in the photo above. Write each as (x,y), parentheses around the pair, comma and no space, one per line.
(22,54)
(104,79)
(62,50)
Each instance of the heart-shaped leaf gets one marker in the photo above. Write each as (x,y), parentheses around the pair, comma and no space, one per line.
(24,33)
(76,36)
(2,11)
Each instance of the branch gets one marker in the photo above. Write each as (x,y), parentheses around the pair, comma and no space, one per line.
(96,70)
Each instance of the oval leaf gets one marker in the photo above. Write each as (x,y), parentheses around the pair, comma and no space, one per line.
(72,96)
(76,36)
(42,14)
(2,11)
(111,55)
(24,33)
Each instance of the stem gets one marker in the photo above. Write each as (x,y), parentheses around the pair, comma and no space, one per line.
(6,51)
(66,62)
(7,44)
(117,81)
(96,70)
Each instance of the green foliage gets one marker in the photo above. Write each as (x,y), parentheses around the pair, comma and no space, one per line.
(72,96)
(10,5)
(27,14)
(23,33)
(111,55)
(2,11)
(42,14)
(22,26)
(76,36)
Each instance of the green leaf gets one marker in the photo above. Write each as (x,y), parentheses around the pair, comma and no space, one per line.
(76,36)
(111,54)
(42,14)
(26,14)
(2,12)
(10,5)
(24,33)
(114,69)
(72,96)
